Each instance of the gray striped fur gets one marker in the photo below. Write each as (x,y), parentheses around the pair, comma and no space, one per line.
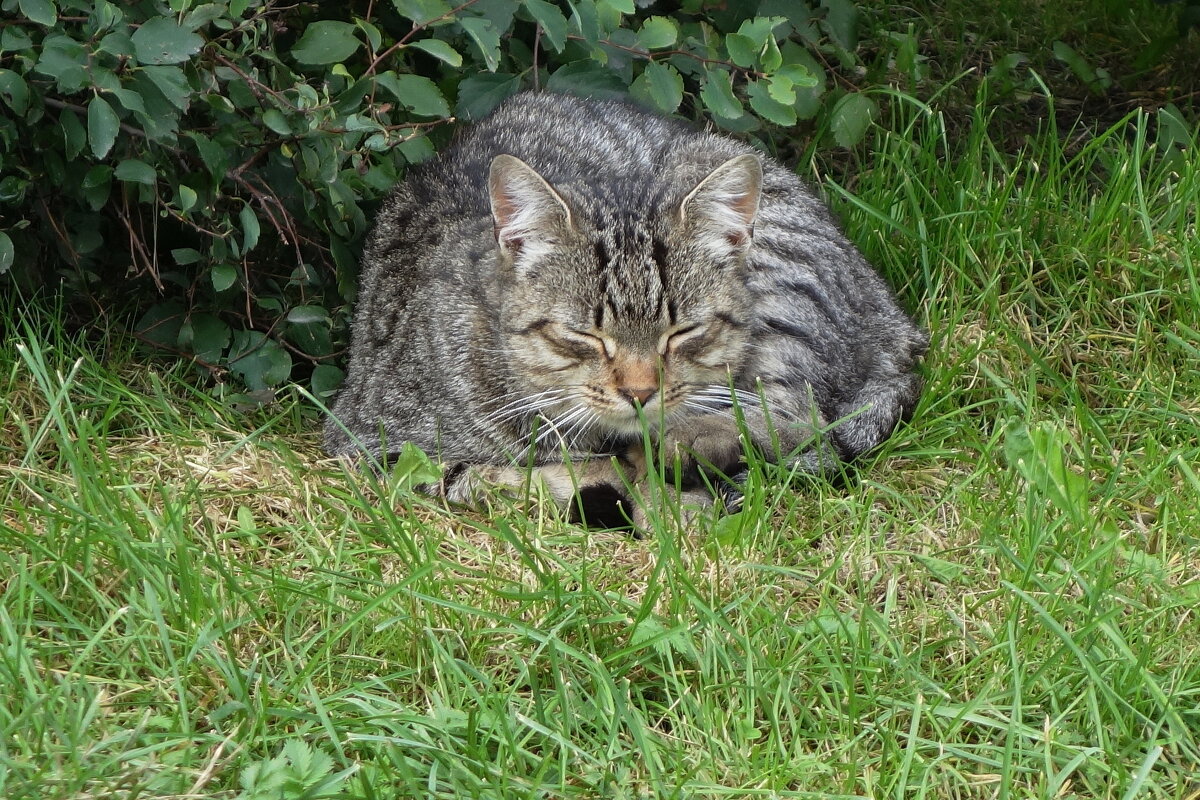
(523,290)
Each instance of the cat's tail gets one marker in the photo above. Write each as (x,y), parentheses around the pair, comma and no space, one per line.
(869,418)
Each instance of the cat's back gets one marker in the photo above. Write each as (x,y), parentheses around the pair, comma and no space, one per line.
(567,140)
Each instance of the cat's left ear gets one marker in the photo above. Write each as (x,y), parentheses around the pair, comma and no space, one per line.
(722,208)
(527,213)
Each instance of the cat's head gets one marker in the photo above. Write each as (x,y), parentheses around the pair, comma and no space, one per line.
(618,310)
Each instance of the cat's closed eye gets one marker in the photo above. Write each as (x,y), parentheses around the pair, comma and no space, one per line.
(679,336)
(573,346)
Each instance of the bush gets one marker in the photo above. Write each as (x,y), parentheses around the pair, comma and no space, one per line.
(213,165)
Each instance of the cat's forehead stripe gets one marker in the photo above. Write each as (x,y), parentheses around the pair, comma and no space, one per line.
(659,253)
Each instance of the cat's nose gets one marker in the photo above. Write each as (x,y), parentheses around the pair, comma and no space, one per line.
(641,396)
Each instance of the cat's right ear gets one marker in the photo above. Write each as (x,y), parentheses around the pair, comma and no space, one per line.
(527,213)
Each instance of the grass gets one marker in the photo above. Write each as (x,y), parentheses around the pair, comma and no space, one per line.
(1000,603)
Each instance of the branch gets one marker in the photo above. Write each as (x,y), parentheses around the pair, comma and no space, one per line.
(55,103)
(417,28)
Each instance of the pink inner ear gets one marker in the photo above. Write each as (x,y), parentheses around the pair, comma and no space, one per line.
(502,211)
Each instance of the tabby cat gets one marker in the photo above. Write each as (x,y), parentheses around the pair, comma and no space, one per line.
(573,273)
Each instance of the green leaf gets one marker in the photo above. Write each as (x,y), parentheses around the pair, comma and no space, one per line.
(161,324)
(742,49)
(586,79)
(781,90)
(416,149)
(203,15)
(205,336)
(770,57)
(312,338)
(326,380)
(586,20)
(97,186)
(102,126)
(326,42)
(260,362)
(798,15)
(40,11)
(1039,454)
(760,30)
(15,91)
(439,50)
(850,119)
(214,156)
(659,85)
(117,43)
(799,75)
(186,255)
(479,94)
(7,252)
(412,467)
(14,40)
(133,170)
(498,12)
(98,175)
(274,119)
(768,107)
(306,315)
(161,40)
(841,21)
(553,23)
(374,37)
(223,276)
(486,39)
(807,77)
(718,97)
(160,120)
(418,94)
(65,60)
(422,11)
(621,6)
(104,15)
(250,229)
(172,83)
(74,136)
(107,81)
(1097,80)
(657,33)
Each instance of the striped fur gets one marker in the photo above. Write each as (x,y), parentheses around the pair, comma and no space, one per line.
(572,273)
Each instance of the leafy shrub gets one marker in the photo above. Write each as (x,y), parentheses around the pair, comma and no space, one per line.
(214,165)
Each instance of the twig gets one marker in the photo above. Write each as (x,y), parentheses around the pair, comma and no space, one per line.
(58,231)
(214,370)
(56,103)
(136,245)
(417,28)
(537,41)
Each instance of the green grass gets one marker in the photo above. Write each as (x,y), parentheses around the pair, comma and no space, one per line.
(1001,603)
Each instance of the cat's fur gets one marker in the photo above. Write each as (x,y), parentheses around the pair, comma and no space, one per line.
(571,271)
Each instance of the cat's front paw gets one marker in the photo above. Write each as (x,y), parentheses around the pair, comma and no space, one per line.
(700,448)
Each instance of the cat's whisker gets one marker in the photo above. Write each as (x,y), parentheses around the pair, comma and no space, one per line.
(575,432)
(744,399)
(527,404)
(528,409)
(709,410)
(556,425)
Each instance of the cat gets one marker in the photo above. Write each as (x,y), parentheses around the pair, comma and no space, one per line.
(573,278)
